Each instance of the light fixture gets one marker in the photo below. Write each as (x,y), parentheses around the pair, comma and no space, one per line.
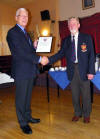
(45,32)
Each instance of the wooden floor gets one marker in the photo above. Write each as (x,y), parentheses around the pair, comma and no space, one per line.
(55,117)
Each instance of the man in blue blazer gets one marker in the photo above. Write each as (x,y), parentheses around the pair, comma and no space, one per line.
(79,53)
(24,68)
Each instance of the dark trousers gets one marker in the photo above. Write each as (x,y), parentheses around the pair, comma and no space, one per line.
(80,88)
(23,100)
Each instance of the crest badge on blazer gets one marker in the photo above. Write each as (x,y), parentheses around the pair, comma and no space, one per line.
(83,47)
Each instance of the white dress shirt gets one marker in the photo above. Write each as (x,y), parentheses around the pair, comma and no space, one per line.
(76,45)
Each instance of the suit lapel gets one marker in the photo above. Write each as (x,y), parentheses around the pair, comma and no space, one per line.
(69,45)
(20,30)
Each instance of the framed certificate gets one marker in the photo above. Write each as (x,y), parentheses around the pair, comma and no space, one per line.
(44,44)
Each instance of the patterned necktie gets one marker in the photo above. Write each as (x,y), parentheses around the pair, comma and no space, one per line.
(73,49)
(27,36)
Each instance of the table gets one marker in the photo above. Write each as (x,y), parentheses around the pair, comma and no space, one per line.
(4,78)
(62,81)
(96,80)
(61,78)
(47,86)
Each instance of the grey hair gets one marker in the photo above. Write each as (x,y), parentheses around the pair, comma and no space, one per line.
(70,18)
(20,9)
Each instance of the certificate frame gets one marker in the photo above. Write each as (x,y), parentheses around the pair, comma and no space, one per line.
(86,4)
(44,44)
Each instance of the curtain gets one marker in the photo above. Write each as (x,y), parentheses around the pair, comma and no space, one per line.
(89,25)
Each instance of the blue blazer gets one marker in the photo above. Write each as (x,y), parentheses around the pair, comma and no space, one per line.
(86,58)
(24,58)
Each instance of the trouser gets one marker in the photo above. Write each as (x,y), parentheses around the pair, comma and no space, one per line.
(80,88)
(23,100)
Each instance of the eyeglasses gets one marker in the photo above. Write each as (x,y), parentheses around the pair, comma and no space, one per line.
(23,16)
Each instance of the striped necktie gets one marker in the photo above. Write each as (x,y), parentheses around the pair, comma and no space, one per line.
(27,36)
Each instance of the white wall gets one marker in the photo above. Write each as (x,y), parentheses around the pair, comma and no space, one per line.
(68,8)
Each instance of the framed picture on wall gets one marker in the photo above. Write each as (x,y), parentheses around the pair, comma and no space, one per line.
(86,4)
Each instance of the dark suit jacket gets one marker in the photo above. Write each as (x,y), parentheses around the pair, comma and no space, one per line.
(24,58)
(86,58)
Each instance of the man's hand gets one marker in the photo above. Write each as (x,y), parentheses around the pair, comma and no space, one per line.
(90,76)
(44,60)
(35,43)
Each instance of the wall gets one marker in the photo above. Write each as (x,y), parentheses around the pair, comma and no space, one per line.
(7,14)
(68,8)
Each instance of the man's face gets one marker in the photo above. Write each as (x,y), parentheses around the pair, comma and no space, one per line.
(73,26)
(22,18)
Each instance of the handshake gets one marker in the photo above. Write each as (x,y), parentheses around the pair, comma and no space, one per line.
(44,60)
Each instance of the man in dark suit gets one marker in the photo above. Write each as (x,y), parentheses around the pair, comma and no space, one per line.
(24,68)
(79,53)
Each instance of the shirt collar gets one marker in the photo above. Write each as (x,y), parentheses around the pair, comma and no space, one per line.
(76,35)
(20,27)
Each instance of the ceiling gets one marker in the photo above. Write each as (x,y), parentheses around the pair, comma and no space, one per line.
(16,3)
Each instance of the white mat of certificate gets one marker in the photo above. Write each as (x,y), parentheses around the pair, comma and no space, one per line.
(44,44)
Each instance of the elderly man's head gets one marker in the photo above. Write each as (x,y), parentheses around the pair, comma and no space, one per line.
(22,17)
(74,25)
